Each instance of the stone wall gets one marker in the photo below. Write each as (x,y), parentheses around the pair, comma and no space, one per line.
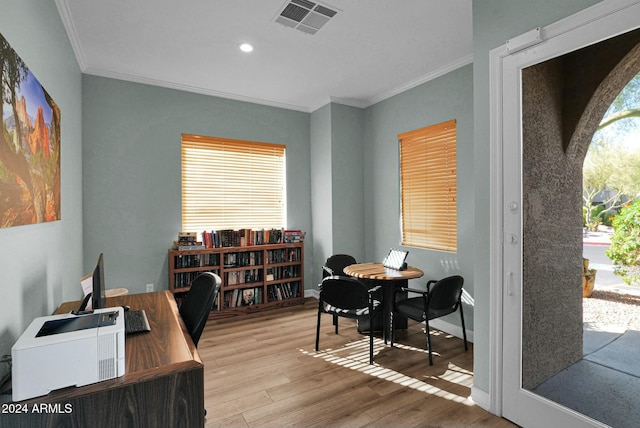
(564,100)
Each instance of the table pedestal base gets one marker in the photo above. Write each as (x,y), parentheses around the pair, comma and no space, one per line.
(381,323)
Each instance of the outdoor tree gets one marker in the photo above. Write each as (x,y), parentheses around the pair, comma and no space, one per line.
(625,243)
(611,172)
(611,176)
(616,166)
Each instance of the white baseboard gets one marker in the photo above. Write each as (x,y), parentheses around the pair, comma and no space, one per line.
(481,398)
(439,324)
(452,329)
(311,293)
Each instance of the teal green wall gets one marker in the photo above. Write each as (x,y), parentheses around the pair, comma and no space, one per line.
(337,135)
(347,169)
(495,22)
(131,174)
(321,190)
(41,264)
(121,169)
(444,98)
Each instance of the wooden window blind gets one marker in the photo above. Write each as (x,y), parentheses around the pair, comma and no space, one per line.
(428,187)
(232,184)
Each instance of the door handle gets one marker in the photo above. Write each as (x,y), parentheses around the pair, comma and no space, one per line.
(509,283)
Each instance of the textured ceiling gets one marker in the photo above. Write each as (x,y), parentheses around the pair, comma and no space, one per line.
(369,51)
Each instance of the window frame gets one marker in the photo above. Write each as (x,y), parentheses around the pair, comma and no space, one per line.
(428,211)
(248,189)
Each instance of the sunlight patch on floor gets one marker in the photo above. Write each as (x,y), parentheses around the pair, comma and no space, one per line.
(355,356)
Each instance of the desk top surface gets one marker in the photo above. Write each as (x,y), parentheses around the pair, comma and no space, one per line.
(374,270)
(166,349)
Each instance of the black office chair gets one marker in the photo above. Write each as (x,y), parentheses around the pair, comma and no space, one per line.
(197,303)
(442,297)
(335,265)
(347,297)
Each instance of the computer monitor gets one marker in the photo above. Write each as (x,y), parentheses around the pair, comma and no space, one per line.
(395,259)
(98,299)
(94,291)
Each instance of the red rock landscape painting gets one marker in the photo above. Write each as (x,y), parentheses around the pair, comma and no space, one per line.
(29,146)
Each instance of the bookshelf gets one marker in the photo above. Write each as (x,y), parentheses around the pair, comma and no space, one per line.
(254,277)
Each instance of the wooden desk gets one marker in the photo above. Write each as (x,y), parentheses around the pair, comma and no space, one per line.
(390,279)
(163,385)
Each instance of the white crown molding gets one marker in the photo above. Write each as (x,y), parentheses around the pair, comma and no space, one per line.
(400,89)
(345,101)
(420,80)
(189,88)
(65,16)
(352,102)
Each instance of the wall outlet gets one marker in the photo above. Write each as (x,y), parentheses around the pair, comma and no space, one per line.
(149,288)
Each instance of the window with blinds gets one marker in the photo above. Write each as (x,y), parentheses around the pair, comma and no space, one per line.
(428,187)
(232,184)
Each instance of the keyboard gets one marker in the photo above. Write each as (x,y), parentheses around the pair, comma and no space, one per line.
(136,322)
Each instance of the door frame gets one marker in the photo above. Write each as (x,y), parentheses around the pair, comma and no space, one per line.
(592,25)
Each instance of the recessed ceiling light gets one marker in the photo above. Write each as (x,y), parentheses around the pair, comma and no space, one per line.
(246,47)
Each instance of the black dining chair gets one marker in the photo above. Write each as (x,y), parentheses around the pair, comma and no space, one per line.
(334,265)
(441,298)
(348,297)
(197,303)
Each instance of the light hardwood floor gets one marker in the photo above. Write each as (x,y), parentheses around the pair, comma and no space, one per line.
(261,370)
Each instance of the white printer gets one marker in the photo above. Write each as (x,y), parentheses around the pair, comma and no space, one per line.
(64,350)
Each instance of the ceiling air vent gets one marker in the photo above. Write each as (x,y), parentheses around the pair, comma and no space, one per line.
(305,15)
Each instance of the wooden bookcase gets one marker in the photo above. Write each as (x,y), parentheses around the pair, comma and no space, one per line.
(254,278)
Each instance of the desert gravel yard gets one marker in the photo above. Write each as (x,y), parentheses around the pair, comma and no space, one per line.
(613,308)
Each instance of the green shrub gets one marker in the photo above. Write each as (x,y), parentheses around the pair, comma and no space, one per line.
(602,215)
(625,243)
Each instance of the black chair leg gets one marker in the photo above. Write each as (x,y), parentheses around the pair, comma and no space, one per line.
(370,340)
(429,342)
(318,331)
(391,331)
(464,330)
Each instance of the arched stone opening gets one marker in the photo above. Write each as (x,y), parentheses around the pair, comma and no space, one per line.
(564,100)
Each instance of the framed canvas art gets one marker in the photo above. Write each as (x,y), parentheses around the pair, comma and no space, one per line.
(29,145)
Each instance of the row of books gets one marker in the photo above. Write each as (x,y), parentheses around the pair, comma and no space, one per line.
(283,255)
(281,272)
(253,296)
(251,258)
(187,238)
(293,236)
(188,241)
(242,276)
(184,279)
(196,260)
(240,238)
(249,237)
(287,290)
(232,260)
(188,247)
(242,297)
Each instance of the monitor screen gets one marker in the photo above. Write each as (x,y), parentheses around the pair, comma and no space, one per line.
(98,299)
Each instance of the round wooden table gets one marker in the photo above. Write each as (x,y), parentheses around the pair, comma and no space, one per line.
(390,279)
(374,270)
